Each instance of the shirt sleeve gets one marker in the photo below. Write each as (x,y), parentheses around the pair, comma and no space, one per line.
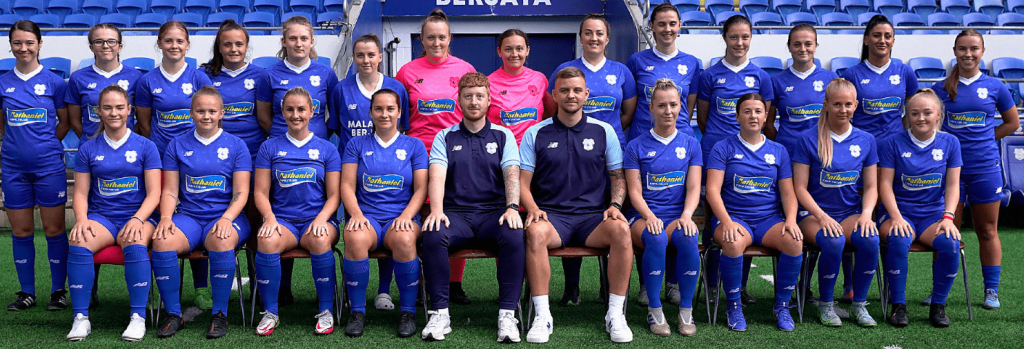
(202,80)
(264,91)
(613,149)
(872,156)
(419,155)
(439,149)
(695,153)
(767,91)
(82,160)
(170,158)
(1004,100)
(527,158)
(718,158)
(887,153)
(910,80)
(332,159)
(143,95)
(628,84)
(954,153)
(337,106)
(403,96)
(151,156)
(801,153)
(785,165)
(510,151)
(60,92)
(243,160)
(263,156)
(704,86)
(72,97)
(351,152)
(631,156)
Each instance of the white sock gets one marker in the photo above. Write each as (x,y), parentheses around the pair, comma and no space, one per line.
(502,312)
(442,311)
(615,303)
(541,304)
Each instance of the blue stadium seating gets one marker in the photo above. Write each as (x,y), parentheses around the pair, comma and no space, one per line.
(682,5)
(46,20)
(1015,6)
(888,7)
(992,8)
(850,31)
(7,64)
(119,20)
(202,7)
(264,62)
(98,7)
(330,16)
(275,7)
(957,8)
(191,20)
(786,7)
(855,7)
(789,62)
(750,7)
(723,16)
(975,19)
(8,19)
(821,7)
(771,65)
(1011,19)
(941,19)
(839,64)
(150,20)
(717,7)
(215,19)
(165,7)
(906,19)
(922,7)
(335,5)
(259,19)
(288,15)
(308,6)
(238,7)
(984,69)
(27,8)
(79,20)
(1008,68)
(192,62)
(864,18)
(85,63)
(1003,32)
(58,65)
(928,32)
(5,6)
(62,8)
(715,60)
(142,64)
(927,67)
(324,60)
(1012,149)
(798,18)
(132,7)
(767,19)
(836,19)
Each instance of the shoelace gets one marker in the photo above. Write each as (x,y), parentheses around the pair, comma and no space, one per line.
(508,323)
(325,318)
(267,316)
(829,309)
(435,323)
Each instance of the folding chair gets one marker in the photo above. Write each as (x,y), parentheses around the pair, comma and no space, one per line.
(114,255)
(918,247)
(757,251)
(204,255)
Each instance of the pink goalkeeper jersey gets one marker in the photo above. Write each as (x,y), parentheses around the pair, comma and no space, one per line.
(433,94)
(517,100)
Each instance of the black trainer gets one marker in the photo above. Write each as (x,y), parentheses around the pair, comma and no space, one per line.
(899,316)
(24,301)
(171,324)
(58,300)
(457,295)
(937,314)
(218,326)
(356,323)
(747,298)
(407,324)
(285,297)
(571,295)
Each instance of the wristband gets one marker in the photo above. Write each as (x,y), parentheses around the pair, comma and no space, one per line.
(947,217)
(140,219)
(223,217)
(949,213)
(617,206)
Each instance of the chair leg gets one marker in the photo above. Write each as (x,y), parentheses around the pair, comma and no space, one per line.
(241,297)
(339,292)
(154,311)
(878,280)
(529,304)
(423,291)
(702,282)
(714,320)
(884,287)
(801,290)
(967,288)
(602,265)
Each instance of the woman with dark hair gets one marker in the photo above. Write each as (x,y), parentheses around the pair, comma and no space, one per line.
(33,164)
(882,85)
(85,84)
(236,79)
(518,99)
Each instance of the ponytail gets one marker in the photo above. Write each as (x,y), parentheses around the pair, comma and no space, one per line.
(824,121)
(953,79)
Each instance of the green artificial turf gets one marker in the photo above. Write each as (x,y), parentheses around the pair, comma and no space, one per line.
(582,326)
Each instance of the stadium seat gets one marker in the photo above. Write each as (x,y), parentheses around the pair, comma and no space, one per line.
(906,19)
(836,19)
(324,17)
(767,19)
(334,5)
(975,19)
(308,6)
(85,63)
(927,67)
(724,16)
(58,65)
(150,20)
(46,20)
(288,15)
(864,18)
(1011,19)
(79,20)
(750,7)
(165,7)
(191,20)
(850,31)
(888,7)
(132,7)
(1003,32)
(717,7)
(1008,68)
(992,8)
(798,18)
(984,69)
(275,7)
(202,7)
(7,64)
(1015,6)
(1012,149)
(238,7)
(789,62)
(714,61)
(928,32)
(5,6)
(215,19)
(685,6)
(142,64)
(62,8)
(771,65)
(839,64)
(259,19)
(98,7)
(265,61)
(8,19)
(821,7)
(957,8)
(192,62)
(786,7)
(120,20)
(941,19)
(855,7)
(27,8)
(323,60)
(924,8)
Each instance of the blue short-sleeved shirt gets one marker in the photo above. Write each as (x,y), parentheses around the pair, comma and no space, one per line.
(648,67)
(384,181)
(84,91)
(350,112)
(170,97)
(722,86)
(475,162)
(610,83)
(798,100)
(570,164)
(30,103)
(316,78)
(205,172)
(972,119)
(117,172)
(835,189)
(880,93)
(297,172)
(919,181)
(750,188)
(238,88)
(664,164)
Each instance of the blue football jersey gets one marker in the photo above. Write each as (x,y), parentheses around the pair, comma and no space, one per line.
(30,105)
(205,172)
(170,97)
(384,181)
(722,87)
(238,88)
(798,100)
(750,188)
(664,165)
(880,93)
(647,67)
(84,91)
(835,189)
(316,78)
(474,164)
(297,171)
(919,181)
(350,115)
(610,83)
(972,119)
(117,172)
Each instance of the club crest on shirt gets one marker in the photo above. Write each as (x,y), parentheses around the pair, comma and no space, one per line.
(982,92)
(91,86)
(222,153)
(683,69)
(894,79)
(186,88)
(749,81)
(454,81)
(769,158)
(249,84)
(611,79)
(40,89)
(400,153)
(680,152)
(937,154)
(492,147)
(588,144)
(855,150)
(314,80)
(123,84)
(314,154)
(130,156)
(819,85)
(1018,153)
(533,90)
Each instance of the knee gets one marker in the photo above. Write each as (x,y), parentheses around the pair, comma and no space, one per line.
(218,244)
(945,245)
(435,240)
(869,243)
(512,238)
(654,242)
(269,244)
(831,245)
(163,245)
(620,233)
(536,237)
(794,247)
(401,241)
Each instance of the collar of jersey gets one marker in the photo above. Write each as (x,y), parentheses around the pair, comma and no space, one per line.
(298,69)
(663,56)
(919,143)
(803,75)
(119,143)
(968,81)
(173,78)
(369,94)
(234,73)
(665,140)
(108,74)
(299,143)
(735,68)
(207,141)
(594,68)
(840,138)
(752,147)
(877,70)
(562,127)
(31,74)
(465,130)
(387,144)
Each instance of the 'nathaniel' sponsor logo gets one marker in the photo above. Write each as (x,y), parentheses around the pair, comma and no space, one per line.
(966,119)
(205,183)
(514,117)
(922,182)
(294,177)
(112,187)
(235,110)
(664,181)
(382,182)
(435,106)
(807,112)
(599,103)
(878,106)
(26,116)
(838,179)
(173,118)
(751,184)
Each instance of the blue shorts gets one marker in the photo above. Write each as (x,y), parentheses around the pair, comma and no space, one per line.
(114,226)
(757,229)
(195,230)
(839,217)
(981,188)
(381,226)
(26,190)
(574,229)
(298,228)
(920,224)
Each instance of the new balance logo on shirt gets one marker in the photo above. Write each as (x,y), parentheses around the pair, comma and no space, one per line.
(865,81)
(157,90)
(721,81)
(10,89)
(282,153)
(552,145)
(649,68)
(99,158)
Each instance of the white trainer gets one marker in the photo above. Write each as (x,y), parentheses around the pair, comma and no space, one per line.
(618,329)
(541,330)
(508,332)
(383,302)
(80,328)
(268,324)
(136,329)
(438,326)
(324,322)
